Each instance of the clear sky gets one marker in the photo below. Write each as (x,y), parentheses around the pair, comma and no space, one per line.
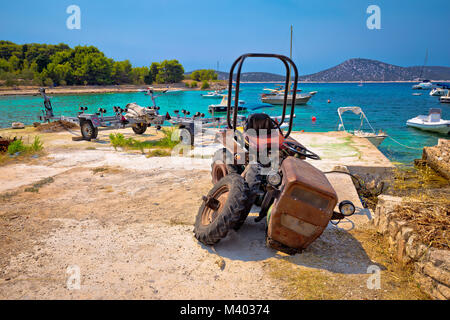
(199,33)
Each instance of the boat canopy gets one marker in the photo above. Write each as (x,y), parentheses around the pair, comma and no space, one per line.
(357,111)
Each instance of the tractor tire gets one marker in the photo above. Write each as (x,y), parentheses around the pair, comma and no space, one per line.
(88,131)
(139,128)
(219,166)
(231,196)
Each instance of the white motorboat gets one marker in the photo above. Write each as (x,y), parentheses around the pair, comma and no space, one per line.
(375,138)
(431,122)
(223,105)
(424,85)
(278,99)
(213,95)
(446,98)
(438,92)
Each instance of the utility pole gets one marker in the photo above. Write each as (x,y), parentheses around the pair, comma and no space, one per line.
(290,70)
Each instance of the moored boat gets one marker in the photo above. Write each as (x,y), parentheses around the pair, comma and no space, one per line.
(375,138)
(431,122)
(445,99)
(424,85)
(438,92)
(213,95)
(222,106)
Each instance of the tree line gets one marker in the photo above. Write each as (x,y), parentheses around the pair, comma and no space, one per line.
(47,65)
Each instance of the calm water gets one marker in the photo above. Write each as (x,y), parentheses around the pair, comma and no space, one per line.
(387,106)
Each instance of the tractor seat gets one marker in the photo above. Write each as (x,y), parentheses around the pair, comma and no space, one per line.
(257,122)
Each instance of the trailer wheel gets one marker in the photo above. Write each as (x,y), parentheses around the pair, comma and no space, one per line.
(186,136)
(219,166)
(88,131)
(139,128)
(225,207)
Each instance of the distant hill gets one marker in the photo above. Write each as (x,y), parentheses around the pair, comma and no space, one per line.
(355,70)
(372,70)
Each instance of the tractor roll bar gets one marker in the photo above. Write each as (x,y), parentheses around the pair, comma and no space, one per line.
(286,61)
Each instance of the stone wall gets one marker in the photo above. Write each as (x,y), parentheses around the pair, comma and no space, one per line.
(438,157)
(432,266)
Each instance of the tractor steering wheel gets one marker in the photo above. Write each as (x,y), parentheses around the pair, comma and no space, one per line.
(300,150)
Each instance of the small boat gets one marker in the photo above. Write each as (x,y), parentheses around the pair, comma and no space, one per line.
(424,85)
(445,99)
(438,92)
(278,99)
(223,105)
(213,95)
(417,94)
(375,138)
(360,84)
(311,93)
(173,91)
(431,122)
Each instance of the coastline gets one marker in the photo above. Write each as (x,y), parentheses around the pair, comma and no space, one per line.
(33,90)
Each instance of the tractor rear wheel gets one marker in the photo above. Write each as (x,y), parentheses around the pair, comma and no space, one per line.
(225,208)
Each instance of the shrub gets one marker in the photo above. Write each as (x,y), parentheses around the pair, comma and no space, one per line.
(37,144)
(16,146)
(194,84)
(205,84)
(19,146)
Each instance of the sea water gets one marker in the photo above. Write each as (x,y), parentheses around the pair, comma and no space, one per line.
(386,105)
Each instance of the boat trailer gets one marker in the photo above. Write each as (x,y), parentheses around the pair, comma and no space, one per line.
(139,119)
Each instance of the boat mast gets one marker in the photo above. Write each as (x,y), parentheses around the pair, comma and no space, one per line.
(424,63)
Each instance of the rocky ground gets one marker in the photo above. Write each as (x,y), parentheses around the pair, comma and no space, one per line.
(125,222)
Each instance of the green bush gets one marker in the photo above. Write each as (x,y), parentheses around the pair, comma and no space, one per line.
(205,84)
(19,146)
(16,146)
(118,140)
(194,84)
(37,144)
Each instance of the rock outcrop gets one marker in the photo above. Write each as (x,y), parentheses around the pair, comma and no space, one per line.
(438,157)
(432,266)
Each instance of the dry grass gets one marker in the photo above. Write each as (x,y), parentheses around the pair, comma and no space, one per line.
(397,280)
(430,218)
(412,181)
(300,283)
(106,170)
(36,186)
(56,126)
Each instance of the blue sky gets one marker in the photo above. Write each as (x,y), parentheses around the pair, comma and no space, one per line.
(199,33)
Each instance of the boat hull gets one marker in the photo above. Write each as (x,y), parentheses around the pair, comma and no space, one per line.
(278,101)
(215,109)
(438,128)
(445,99)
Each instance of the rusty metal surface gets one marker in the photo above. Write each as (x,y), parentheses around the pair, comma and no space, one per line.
(214,205)
(218,171)
(304,207)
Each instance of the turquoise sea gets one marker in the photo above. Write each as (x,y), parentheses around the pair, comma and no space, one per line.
(387,106)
